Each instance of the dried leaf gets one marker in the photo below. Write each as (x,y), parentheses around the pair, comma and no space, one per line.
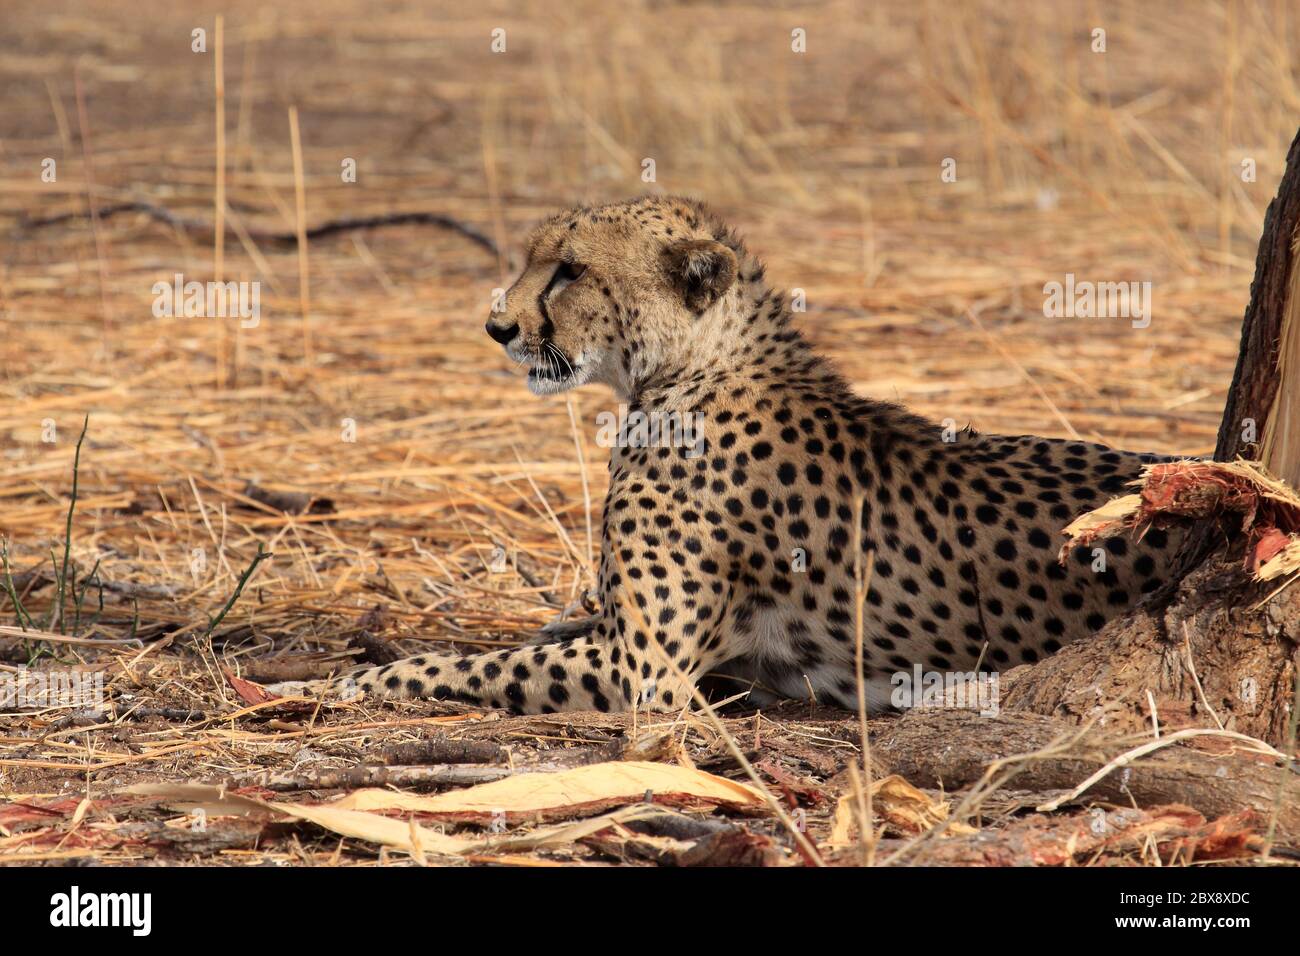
(248,692)
(900,804)
(567,793)
(371,827)
(529,795)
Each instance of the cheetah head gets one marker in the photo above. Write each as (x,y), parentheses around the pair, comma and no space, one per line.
(618,294)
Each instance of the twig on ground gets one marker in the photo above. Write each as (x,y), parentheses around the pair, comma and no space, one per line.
(327,228)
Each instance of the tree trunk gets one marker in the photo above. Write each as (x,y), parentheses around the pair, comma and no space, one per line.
(1263,405)
(1212,648)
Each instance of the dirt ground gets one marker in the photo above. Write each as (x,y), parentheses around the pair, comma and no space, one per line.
(412,494)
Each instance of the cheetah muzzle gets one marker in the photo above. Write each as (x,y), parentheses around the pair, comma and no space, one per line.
(740,561)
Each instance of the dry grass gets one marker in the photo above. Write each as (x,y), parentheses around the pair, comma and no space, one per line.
(1116,166)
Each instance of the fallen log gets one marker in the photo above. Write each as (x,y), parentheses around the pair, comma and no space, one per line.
(958,750)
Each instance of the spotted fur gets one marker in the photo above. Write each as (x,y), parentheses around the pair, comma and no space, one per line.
(741,560)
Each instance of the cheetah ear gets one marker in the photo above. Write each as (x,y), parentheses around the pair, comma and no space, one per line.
(702,270)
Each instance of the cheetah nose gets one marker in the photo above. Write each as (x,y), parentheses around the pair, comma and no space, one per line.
(502,335)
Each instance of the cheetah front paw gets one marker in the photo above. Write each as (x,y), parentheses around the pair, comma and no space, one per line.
(563,630)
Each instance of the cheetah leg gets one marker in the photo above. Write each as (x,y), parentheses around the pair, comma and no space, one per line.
(627,661)
(583,673)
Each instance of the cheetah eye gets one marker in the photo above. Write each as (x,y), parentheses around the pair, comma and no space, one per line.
(566,273)
(570,271)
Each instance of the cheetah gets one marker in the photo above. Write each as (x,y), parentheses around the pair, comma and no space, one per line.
(742,555)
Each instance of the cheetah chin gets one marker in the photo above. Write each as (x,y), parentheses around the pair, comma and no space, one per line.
(558,373)
(736,554)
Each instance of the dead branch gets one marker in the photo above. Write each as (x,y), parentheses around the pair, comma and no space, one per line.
(441,750)
(952,749)
(327,228)
(351,778)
